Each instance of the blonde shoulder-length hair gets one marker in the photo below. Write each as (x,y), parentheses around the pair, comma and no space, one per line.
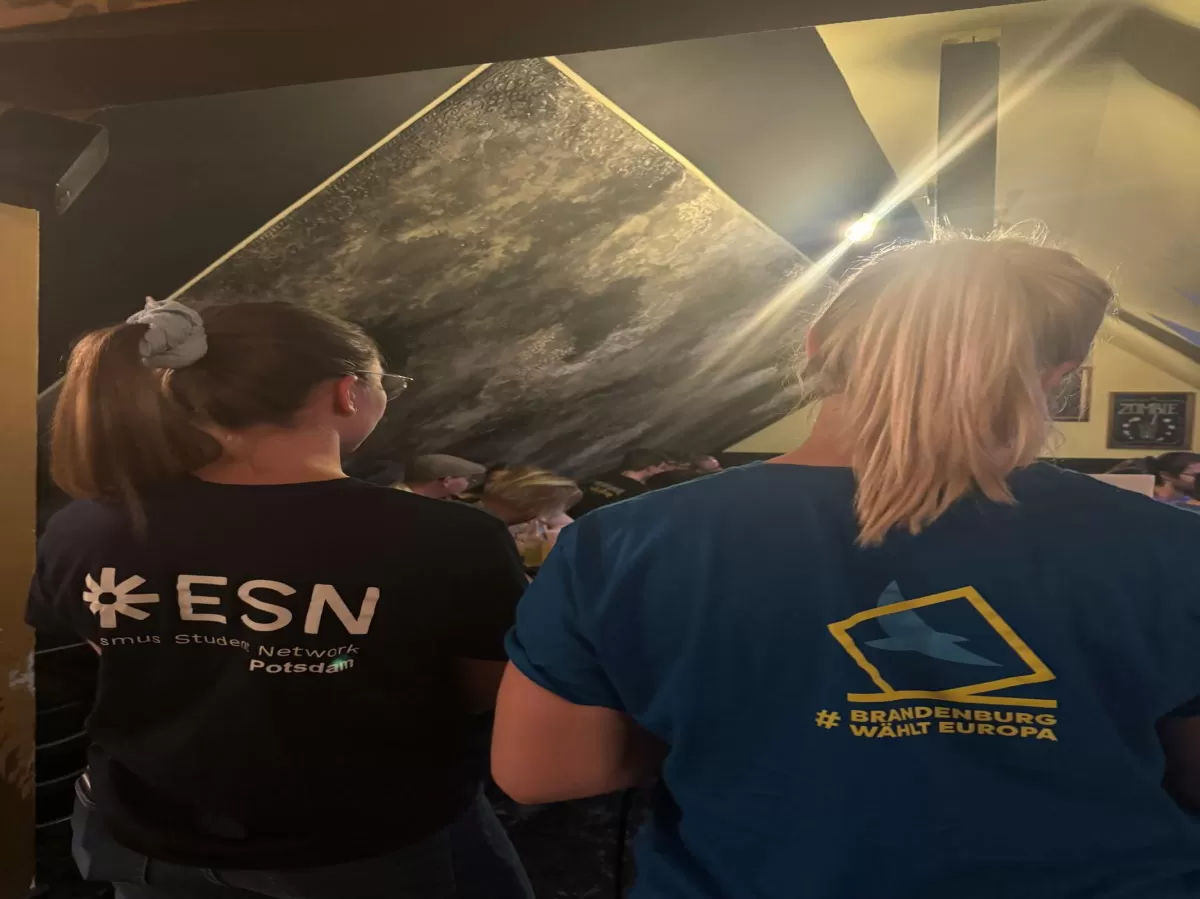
(939,353)
(531,492)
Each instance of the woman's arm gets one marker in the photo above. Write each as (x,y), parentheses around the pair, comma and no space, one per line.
(546,749)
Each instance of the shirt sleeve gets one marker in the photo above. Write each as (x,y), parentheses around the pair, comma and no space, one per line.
(51,607)
(486,580)
(40,614)
(550,643)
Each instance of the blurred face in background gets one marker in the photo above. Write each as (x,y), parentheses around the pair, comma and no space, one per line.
(1186,482)
(456,486)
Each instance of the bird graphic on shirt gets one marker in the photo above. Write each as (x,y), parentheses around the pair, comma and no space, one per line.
(908,632)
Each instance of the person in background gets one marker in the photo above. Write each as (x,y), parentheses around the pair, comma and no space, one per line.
(532,502)
(671,478)
(678,460)
(1193,503)
(289,659)
(439,476)
(903,659)
(696,465)
(475,493)
(627,481)
(1174,476)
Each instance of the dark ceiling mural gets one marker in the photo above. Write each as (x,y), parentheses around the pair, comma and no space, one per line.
(557,281)
(767,117)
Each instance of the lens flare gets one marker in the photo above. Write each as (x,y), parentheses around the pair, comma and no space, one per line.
(863,229)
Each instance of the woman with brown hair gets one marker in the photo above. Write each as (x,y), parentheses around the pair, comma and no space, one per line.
(903,659)
(288,657)
(1175,477)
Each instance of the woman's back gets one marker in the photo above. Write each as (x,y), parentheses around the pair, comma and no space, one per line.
(970,711)
(287,656)
(276,685)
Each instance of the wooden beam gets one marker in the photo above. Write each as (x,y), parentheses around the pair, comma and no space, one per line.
(1151,349)
(18,475)
(18,13)
(215,46)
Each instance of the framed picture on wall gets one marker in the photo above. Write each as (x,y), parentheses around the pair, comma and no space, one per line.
(1073,399)
(1153,421)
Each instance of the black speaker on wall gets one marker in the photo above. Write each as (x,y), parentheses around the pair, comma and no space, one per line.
(967,103)
(45,160)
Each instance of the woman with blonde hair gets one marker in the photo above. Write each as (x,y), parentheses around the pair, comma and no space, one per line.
(532,502)
(902,659)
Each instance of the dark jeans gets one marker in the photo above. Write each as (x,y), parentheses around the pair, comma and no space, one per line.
(470,859)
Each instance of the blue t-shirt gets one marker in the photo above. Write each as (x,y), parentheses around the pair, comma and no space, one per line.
(965,714)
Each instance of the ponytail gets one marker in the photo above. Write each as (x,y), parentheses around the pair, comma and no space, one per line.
(938,353)
(116,430)
(140,400)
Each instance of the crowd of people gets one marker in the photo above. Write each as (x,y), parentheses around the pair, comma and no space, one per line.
(903,659)
(536,503)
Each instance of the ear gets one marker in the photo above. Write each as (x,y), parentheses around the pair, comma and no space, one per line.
(1052,379)
(345,402)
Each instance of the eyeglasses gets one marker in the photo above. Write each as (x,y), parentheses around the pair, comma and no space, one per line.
(393,385)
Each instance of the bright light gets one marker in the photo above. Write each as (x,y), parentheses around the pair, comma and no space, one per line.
(1059,46)
(862,229)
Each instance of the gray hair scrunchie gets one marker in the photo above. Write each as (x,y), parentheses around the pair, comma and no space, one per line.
(175,337)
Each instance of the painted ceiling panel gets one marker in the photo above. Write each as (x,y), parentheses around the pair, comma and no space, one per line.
(559,283)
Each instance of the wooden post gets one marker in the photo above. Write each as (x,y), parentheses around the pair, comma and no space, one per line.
(18,477)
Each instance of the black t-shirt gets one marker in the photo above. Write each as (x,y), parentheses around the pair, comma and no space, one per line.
(608,488)
(276,682)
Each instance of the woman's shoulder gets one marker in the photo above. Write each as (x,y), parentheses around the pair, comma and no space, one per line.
(1086,518)
(81,515)
(1091,496)
(83,526)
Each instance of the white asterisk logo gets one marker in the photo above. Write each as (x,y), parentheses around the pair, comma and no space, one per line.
(124,599)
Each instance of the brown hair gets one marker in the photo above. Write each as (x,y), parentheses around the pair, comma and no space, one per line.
(938,351)
(532,492)
(1169,466)
(121,427)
